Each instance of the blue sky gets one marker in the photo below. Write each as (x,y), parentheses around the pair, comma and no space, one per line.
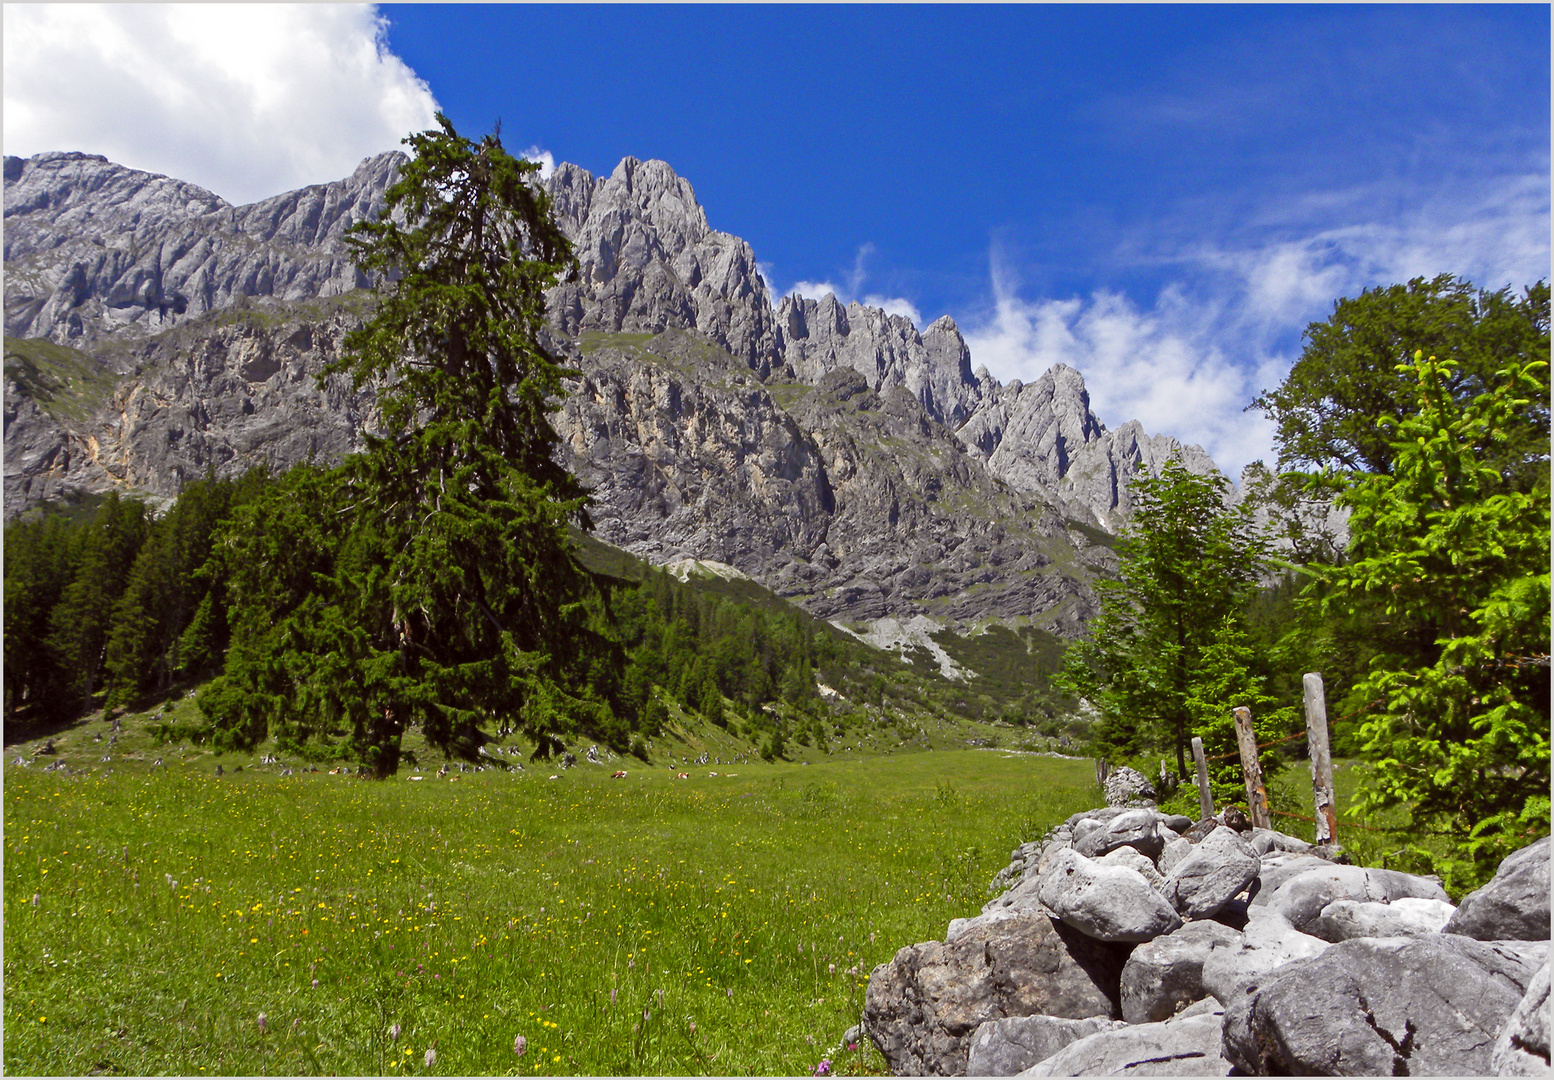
(1162,197)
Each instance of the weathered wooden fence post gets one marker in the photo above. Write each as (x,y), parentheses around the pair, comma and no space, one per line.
(1205,798)
(1256,793)
(1102,770)
(1321,759)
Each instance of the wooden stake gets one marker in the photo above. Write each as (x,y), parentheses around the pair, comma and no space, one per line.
(1256,793)
(1321,759)
(1205,798)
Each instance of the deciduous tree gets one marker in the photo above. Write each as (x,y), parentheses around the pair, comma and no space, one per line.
(1450,546)
(1188,562)
(1349,374)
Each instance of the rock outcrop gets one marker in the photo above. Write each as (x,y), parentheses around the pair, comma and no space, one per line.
(1237,988)
(887,478)
(93,249)
(1515,902)
(923,1007)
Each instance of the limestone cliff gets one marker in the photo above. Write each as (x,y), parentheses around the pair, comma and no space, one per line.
(835,453)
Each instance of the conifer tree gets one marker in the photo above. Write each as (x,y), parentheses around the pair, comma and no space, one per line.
(455,599)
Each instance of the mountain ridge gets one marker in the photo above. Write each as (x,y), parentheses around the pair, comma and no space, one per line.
(834,452)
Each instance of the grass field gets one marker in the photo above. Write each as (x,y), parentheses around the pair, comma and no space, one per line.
(179,922)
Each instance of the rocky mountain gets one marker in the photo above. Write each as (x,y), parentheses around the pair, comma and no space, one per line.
(834,453)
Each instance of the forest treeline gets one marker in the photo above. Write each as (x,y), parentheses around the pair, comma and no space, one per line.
(116,605)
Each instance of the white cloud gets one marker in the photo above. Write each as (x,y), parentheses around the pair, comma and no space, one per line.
(248,100)
(1165,366)
(853,291)
(1189,364)
(546,160)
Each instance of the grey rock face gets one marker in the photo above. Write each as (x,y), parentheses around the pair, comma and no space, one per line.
(224,394)
(1429,1006)
(1163,975)
(1129,787)
(1302,898)
(923,1007)
(1515,902)
(1009,1046)
(822,336)
(1522,1048)
(1219,867)
(1108,903)
(857,507)
(1188,1045)
(1409,917)
(649,262)
(1137,829)
(93,248)
(1268,943)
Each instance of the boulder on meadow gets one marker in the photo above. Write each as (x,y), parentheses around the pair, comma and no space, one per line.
(1009,1046)
(1428,1006)
(1279,867)
(1266,840)
(1108,903)
(1408,917)
(923,1007)
(1175,850)
(1302,898)
(1220,865)
(1186,1045)
(1137,829)
(1134,859)
(1128,787)
(1268,943)
(1515,903)
(1166,974)
(1523,1046)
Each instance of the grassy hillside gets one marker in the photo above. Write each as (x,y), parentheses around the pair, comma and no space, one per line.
(69,384)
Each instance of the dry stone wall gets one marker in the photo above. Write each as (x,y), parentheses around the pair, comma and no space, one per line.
(1252,951)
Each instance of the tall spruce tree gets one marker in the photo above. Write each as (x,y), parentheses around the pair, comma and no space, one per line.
(454,599)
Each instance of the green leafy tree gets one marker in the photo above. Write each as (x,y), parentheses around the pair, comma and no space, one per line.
(1451,547)
(1228,677)
(1351,371)
(166,590)
(1188,563)
(452,596)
